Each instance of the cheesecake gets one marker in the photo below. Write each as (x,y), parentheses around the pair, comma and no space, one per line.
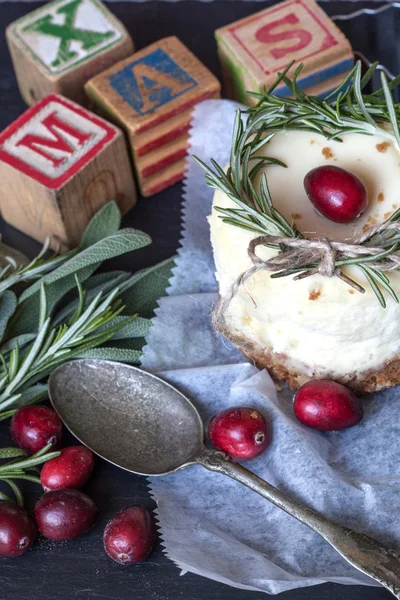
(316,327)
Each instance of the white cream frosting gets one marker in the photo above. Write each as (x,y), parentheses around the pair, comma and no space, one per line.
(323,326)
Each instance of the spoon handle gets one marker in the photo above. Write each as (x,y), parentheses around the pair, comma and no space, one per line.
(364,553)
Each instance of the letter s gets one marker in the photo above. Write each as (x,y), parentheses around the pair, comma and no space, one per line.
(265,35)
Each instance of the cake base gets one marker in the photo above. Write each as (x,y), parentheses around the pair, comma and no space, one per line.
(282,369)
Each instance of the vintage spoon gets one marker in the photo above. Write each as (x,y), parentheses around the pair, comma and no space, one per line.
(142,424)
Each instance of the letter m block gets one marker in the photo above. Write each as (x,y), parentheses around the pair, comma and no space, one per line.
(59,163)
(255,49)
(61,45)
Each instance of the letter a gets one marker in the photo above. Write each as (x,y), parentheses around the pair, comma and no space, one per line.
(157,88)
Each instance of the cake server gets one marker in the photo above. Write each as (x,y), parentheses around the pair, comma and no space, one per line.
(142,424)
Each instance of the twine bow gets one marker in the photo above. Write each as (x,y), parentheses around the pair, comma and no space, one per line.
(301,252)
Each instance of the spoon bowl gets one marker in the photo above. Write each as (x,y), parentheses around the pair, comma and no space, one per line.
(127,416)
(138,422)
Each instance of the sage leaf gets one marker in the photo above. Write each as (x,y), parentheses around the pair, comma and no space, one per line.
(103,282)
(121,242)
(116,354)
(30,395)
(11,452)
(136,328)
(141,292)
(8,305)
(104,223)
(97,281)
(19,340)
(27,315)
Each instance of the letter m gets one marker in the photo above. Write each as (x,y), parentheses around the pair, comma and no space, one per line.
(43,145)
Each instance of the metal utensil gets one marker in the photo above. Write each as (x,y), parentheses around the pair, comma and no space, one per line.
(142,424)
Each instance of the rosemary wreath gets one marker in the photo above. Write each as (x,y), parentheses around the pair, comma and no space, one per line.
(346,110)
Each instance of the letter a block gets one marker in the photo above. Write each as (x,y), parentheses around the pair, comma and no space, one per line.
(59,163)
(255,49)
(151,95)
(61,45)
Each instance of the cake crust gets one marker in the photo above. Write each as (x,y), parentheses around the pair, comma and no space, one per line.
(280,370)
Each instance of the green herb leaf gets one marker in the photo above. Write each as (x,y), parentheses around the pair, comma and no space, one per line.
(141,292)
(130,328)
(117,354)
(119,243)
(27,315)
(102,282)
(11,452)
(8,305)
(104,223)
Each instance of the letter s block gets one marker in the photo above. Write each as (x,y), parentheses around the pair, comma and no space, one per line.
(61,45)
(59,164)
(255,49)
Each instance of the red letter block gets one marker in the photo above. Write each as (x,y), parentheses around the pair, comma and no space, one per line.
(59,163)
(255,49)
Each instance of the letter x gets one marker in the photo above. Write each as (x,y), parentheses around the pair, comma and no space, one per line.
(67,32)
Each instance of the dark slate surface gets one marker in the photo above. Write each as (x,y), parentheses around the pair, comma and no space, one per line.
(80,569)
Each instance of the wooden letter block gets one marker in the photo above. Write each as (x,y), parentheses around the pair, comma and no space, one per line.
(59,164)
(255,49)
(61,45)
(151,95)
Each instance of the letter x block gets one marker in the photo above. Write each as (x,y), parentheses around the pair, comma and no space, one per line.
(59,164)
(255,49)
(61,45)
(151,95)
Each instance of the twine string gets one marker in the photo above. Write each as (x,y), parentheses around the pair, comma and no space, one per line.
(301,252)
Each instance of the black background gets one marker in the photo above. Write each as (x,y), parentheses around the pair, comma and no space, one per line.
(80,569)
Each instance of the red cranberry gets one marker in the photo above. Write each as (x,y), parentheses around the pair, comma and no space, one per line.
(17,530)
(327,405)
(336,193)
(33,427)
(65,514)
(241,432)
(71,469)
(129,536)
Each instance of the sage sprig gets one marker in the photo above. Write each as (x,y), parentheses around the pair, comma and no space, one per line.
(56,309)
(346,110)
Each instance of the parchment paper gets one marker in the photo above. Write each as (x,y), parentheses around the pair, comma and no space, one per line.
(211,525)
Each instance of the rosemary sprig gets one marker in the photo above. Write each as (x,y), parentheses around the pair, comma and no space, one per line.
(90,326)
(12,274)
(346,110)
(22,467)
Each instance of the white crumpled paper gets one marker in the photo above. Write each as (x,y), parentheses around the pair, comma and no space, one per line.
(212,525)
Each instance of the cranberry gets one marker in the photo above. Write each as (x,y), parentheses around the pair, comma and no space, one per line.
(129,536)
(17,530)
(241,432)
(327,405)
(336,193)
(65,514)
(33,427)
(71,469)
